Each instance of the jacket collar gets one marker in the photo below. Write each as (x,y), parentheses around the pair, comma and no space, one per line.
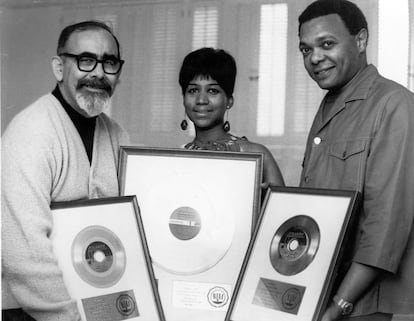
(357,89)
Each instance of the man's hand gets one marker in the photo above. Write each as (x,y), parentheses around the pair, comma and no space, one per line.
(333,313)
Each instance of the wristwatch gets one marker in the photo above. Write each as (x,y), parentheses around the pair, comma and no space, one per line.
(345,306)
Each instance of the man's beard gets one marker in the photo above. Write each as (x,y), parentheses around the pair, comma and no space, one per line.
(93,103)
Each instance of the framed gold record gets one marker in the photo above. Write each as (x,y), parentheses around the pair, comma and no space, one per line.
(98,256)
(198,209)
(295,251)
(294,245)
(102,251)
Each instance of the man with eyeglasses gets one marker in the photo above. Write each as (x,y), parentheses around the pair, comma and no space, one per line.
(60,148)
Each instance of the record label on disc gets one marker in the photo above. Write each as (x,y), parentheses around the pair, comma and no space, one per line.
(98,256)
(294,245)
(185,223)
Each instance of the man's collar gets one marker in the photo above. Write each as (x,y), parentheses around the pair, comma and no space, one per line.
(73,114)
(359,86)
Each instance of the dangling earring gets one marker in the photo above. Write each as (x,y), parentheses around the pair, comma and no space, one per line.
(184,123)
(226,125)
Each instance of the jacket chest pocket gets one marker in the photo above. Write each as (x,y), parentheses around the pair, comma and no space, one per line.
(347,163)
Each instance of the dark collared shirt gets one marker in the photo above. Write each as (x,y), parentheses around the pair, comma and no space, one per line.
(84,125)
(365,142)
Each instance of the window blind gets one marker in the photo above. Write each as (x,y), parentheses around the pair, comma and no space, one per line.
(205,26)
(393,47)
(272,70)
(163,75)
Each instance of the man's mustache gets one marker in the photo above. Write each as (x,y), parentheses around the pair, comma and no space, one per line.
(96,83)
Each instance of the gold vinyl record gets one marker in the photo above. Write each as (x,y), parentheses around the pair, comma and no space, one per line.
(294,245)
(98,256)
(186,233)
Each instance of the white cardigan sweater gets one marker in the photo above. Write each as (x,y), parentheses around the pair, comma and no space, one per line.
(43,161)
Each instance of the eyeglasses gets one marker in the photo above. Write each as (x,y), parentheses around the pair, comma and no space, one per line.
(87,63)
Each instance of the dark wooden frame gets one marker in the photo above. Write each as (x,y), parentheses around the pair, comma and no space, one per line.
(96,204)
(168,280)
(345,227)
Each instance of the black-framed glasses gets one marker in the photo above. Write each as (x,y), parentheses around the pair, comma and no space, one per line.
(87,63)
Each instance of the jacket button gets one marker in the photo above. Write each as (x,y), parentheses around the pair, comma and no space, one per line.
(307,179)
(317,140)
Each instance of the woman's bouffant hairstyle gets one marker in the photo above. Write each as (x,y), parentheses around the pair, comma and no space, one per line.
(209,62)
(350,14)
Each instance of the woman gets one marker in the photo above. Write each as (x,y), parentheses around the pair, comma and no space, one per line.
(207,78)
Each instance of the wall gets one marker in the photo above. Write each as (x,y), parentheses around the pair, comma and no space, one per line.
(29,32)
(25,56)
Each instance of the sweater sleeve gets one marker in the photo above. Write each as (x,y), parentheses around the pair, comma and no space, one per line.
(29,265)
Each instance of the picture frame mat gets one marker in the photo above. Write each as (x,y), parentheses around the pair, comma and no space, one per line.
(331,210)
(165,155)
(121,216)
(227,173)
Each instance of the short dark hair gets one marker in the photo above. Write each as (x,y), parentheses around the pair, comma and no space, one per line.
(82,26)
(349,12)
(216,63)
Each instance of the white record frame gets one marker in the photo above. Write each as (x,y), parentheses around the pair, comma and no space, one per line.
(102,251)
(293,257)
(198,210)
